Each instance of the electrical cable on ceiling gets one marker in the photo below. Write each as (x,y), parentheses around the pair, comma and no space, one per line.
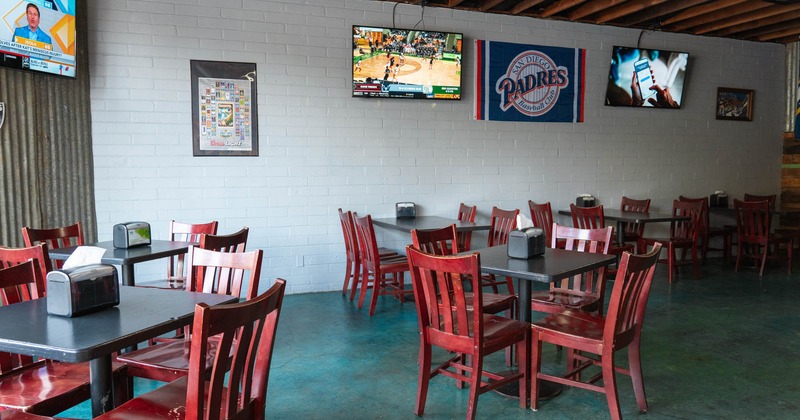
(639,41)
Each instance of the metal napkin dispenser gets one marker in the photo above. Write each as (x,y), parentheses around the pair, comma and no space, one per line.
(718,199)
(585,200)
(526,243)
(130,234)
(405,209)
(80,290)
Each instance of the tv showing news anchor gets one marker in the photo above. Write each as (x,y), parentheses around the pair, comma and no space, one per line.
(38,35)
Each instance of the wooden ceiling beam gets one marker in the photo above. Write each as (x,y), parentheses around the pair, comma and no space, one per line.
(756,24)
(524,5)
(454,3)
(701,10)
(781,34)
(560,6)
(622,10)
(744,18)
(659,11)
(778,27)
(591,8)
(717,15)
(489,4)
(788,39)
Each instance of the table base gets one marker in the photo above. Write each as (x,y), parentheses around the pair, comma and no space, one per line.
(547,390)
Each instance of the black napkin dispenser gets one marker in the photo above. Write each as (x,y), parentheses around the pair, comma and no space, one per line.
(585,200)
(81,290)
(526,243)
(405,210)
(130,234)
(718,200)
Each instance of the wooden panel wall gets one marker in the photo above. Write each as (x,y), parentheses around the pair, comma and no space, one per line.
(46,169)
(790,180)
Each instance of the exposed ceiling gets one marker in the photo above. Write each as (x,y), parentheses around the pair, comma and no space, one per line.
(753,20)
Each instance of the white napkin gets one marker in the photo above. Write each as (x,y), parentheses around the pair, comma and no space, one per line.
(523,222)
(84,255)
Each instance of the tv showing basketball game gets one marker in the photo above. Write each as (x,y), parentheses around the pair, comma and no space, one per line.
(38,36)
(646,78)
(406,63)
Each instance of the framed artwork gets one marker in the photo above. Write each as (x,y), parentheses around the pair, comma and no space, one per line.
(734,104)
(224,108)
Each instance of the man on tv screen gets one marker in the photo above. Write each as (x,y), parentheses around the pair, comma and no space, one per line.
(32,31)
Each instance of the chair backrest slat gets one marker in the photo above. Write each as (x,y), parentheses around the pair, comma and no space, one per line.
(634,230)
(587,217)
(223,272)
(466,214)
(542,217)
(186,232)
(60,237)
(41,261)
(597,241)
(691,228)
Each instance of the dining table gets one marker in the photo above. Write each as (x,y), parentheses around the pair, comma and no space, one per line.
(127,257)
(142,313)
(551,266)
(624,217)
(407,224)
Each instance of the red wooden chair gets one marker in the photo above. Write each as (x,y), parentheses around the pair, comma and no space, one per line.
(41,386)
(542,217)
(185,232)
(466,214)
(755,238)
(60,237)
(707,232)
(234,385)
(376,269)
(503,222)
(446,320)
(210,272)
(38,255)
(683,235)
(585,334)
(443,242)
(770,198)
(634,231)
(594,218)
(352,254)
(584,291)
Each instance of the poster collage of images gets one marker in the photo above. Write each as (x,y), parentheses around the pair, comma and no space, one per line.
(225,118)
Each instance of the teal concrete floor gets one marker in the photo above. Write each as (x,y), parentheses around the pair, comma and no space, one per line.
(723,346)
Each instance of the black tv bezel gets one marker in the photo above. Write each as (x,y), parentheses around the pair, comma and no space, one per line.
(609,82)
(425,98)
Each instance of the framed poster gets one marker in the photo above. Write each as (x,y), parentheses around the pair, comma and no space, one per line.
(224,108)
(734,104)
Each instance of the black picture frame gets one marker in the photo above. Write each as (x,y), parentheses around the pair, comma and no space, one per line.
(228,90)
(734,104)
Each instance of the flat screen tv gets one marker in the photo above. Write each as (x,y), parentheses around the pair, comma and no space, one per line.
(38,36)
(646,78)
(406,63)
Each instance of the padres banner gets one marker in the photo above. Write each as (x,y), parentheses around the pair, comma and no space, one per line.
(517,82)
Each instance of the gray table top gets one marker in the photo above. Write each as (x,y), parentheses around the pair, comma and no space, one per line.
(427,223)
(156,250)
(553,265)
(143,313)
(633,217)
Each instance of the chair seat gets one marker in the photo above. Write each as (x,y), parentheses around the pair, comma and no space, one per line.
(559,299)
(48,388)
(164,362)
(495,302)
(577,326)
(21,415)
(500,332)
(166,402)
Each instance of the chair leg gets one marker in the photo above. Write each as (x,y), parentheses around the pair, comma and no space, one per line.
(474,386)
(523,362)
(738,254)
(364,286)
(610,385)
(424,377)
(764,260)
(377,285)
(347,276)
(635,366)
(356,278)
(670,261)
(535,368)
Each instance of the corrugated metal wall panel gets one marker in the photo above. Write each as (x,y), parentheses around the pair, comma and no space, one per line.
(792,83)
(47,172)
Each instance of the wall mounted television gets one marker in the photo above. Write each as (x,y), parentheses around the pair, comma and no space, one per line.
(642,77)
(406,63)
(38,36)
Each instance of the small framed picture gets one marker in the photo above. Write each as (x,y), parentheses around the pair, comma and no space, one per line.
(734,104)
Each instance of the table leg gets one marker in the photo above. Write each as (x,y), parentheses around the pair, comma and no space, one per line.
(100,384)
(127,275)
(547,390)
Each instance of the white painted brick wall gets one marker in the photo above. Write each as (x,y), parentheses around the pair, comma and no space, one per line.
(322,149)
